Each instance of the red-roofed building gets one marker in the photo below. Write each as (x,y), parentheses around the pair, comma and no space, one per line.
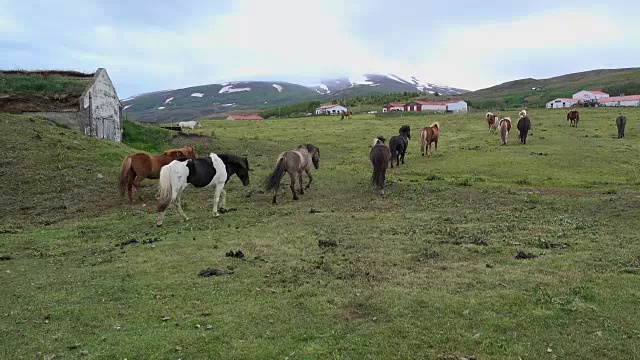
(456,106)
(393,107)
(629,100)
(244,117)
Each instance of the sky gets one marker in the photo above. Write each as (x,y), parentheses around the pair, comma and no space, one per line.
(156,45)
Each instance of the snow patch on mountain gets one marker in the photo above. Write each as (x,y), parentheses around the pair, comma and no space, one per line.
(197,95)
(231,89)
(168,100)
(278,87)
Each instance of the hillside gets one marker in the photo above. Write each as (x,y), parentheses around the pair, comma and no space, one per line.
(207,100)
(510,94)
(218,99)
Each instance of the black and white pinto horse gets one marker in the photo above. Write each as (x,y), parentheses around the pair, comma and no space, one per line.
(398,144)
(213,170)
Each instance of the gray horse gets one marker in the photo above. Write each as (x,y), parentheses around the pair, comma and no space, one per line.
(294,162)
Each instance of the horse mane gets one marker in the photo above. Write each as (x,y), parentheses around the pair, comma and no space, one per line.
(404,128)
(436,124)
(235,159)
(311,148)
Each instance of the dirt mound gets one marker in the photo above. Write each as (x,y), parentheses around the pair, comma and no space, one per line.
(19,103)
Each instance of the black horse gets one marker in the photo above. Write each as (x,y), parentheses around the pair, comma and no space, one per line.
(524,125)
(398,144)
(621,122)
(380,157)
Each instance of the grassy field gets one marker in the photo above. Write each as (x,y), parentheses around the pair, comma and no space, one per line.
(429,269)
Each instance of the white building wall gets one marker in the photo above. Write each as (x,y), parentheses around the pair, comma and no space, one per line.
(434,107)
(459,107)
(104,108)
(331,110)
(588,95)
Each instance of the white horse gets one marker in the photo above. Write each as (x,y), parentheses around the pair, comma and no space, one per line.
(522,114)
(201,172)
(189,124)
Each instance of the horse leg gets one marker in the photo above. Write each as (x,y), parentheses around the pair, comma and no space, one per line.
(179,206)
(301,183)
(310,178)
(130,177)
(223,200)
(160,217)
(216,199)
(293,186)
(275,194)
(403,151)
(136,184)
(422,148)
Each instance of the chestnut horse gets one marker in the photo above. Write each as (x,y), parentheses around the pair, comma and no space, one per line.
(429,135)
(492,121)
(573,116)
(137,167)
(346,114)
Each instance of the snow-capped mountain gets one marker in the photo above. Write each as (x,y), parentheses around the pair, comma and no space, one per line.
(382,83)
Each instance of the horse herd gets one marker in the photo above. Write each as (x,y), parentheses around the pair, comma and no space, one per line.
(176,168)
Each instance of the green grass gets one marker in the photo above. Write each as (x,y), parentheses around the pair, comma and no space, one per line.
(427,269)
(146,138)
(29,84)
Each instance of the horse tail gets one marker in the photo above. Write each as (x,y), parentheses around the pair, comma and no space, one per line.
(379,167)
(124,174)
(273,180)
(164,188)
(424,134)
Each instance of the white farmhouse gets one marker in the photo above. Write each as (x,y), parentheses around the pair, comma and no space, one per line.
(589,95)
(330,110)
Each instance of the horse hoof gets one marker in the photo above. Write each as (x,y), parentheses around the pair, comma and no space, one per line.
(215,215)
(159,224)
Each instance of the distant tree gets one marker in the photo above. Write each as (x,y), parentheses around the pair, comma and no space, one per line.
(436,94)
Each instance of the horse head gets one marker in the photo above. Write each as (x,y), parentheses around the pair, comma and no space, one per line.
(243,171)
(315,155)
(405,129)
(198,124)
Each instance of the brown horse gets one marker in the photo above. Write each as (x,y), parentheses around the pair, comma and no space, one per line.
(573,116)
(137,167)
(346,114)
(492,121)
(429,135)
(293,162)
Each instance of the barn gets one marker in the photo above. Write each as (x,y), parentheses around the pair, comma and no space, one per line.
(629,100)
(80,101)
(562,103)
(330,110)
(589,95)
(244,117)
(393,107)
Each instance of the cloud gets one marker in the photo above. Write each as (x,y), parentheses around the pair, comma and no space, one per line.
(465,46)
(476,56)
